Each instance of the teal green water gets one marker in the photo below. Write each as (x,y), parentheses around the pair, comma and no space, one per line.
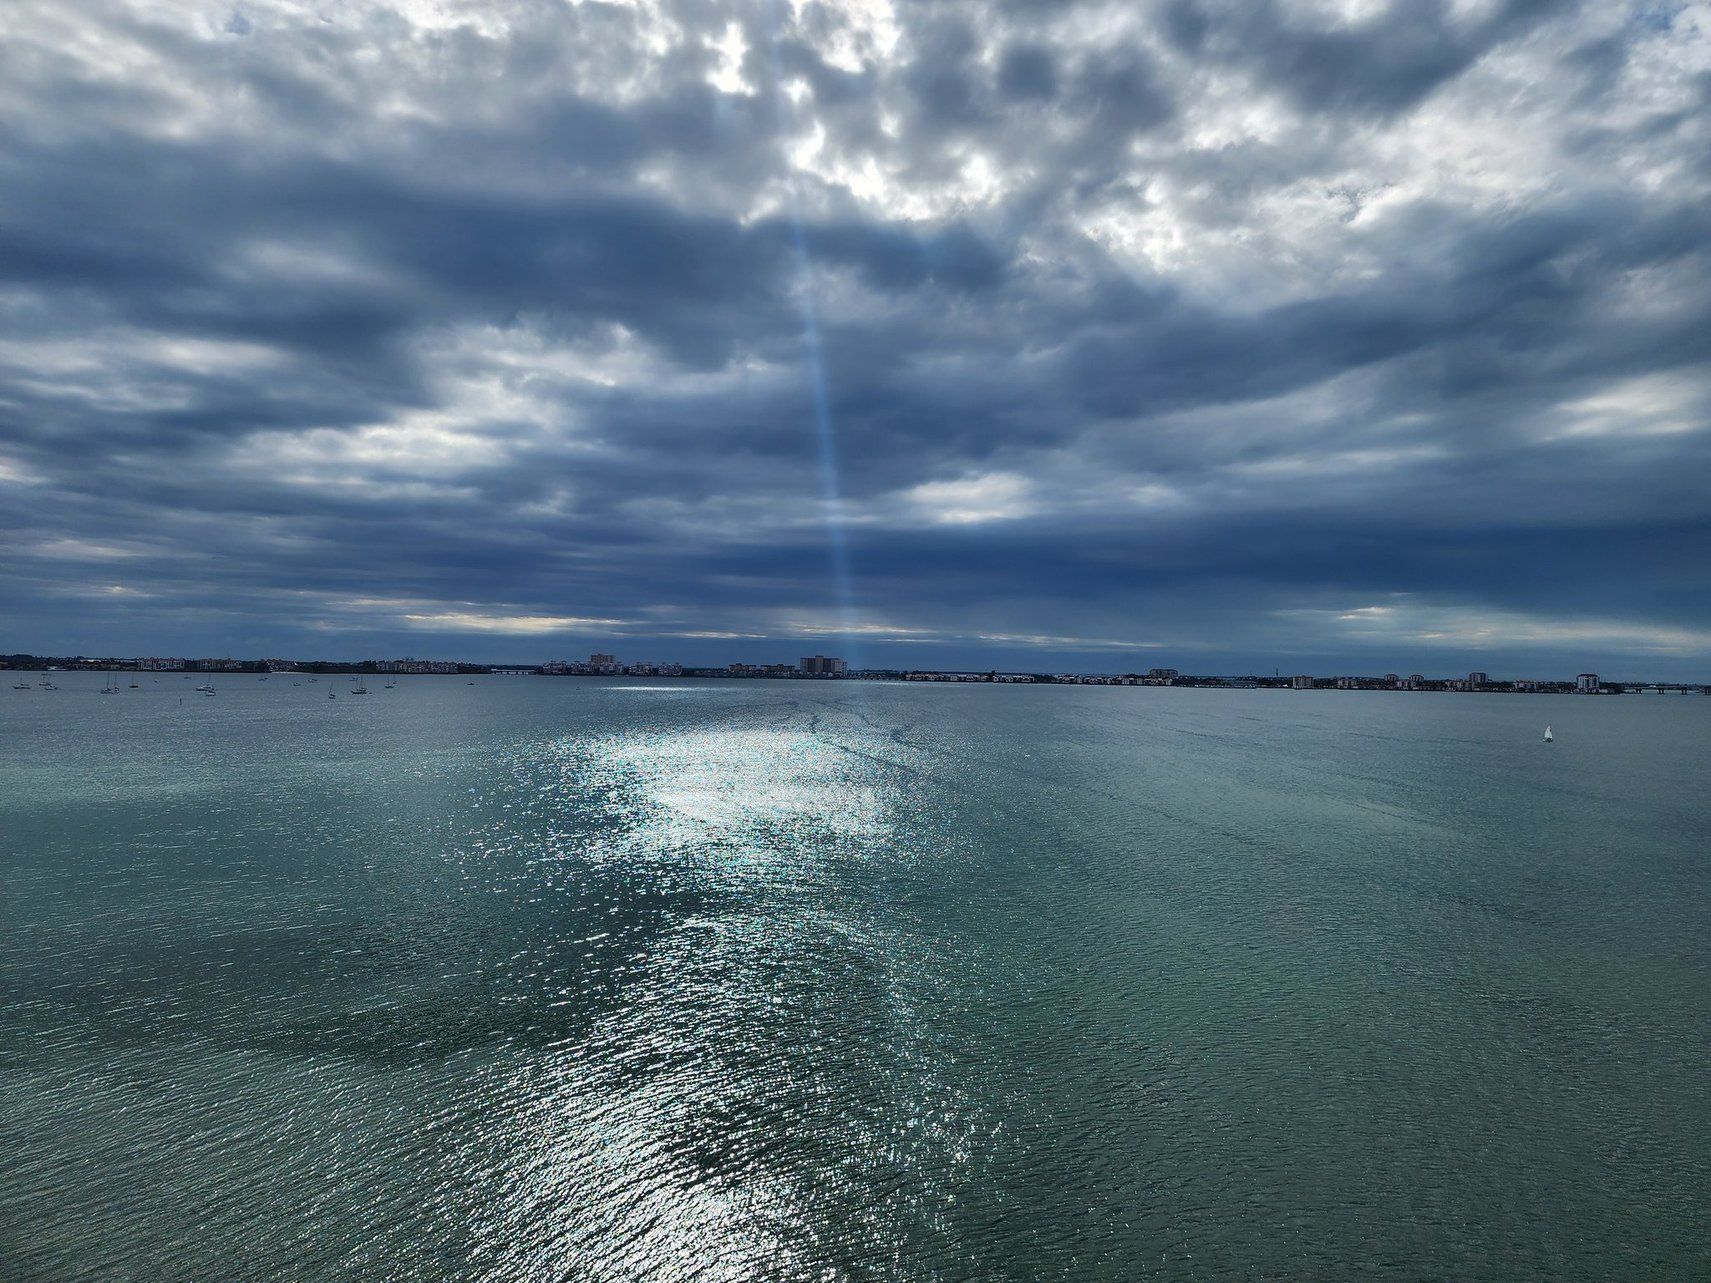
(541,979)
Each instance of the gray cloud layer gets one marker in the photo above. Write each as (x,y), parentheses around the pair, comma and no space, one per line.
(1215,332)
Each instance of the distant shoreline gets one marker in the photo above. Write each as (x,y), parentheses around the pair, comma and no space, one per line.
(1413,684)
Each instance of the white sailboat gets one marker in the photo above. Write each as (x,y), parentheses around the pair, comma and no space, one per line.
(1548,736)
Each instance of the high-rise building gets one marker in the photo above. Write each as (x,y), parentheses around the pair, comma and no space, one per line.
(1587,683)
(822,666)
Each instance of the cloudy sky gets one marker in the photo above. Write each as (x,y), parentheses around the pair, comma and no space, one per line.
(1223,334)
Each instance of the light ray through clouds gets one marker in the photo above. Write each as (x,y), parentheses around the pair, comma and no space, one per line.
(826,445)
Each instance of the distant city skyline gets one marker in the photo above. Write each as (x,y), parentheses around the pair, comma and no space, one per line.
(605,663)
(702,652)
(1236,334)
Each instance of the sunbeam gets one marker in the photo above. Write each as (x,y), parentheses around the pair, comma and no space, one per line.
(825,435)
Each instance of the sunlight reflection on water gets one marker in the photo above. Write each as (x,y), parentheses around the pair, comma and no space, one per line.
(685,1126)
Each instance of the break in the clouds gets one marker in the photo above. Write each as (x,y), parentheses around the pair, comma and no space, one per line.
(1219,333)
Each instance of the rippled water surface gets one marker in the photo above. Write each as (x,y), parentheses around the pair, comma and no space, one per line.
(539,979)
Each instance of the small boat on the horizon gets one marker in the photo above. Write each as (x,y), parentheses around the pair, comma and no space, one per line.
(1549,738)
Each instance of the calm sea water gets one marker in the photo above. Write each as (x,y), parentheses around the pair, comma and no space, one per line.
(541,979)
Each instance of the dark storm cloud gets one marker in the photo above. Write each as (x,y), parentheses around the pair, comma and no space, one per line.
(1360,333)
